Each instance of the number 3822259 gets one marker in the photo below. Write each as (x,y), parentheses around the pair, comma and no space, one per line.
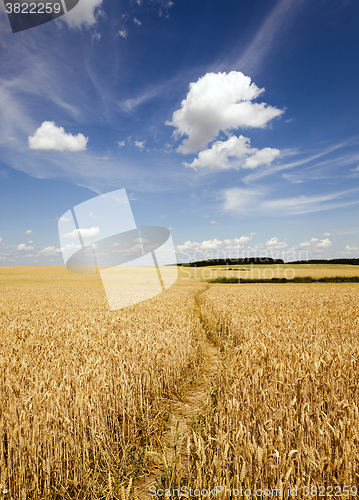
(33,8)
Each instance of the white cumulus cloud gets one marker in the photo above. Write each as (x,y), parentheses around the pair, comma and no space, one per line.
(85,233)
(22,246)
(326,243)
(140,144)
(50,137)
(276,244)
(350,251)
(50,250)
(316,243)
(28,231)
(219,101)
(234,153)
(213,248)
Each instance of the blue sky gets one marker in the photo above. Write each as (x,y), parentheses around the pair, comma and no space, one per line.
(235,123)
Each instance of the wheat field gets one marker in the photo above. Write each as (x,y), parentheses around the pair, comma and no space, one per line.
(87,395)
(284,408)
(85,392)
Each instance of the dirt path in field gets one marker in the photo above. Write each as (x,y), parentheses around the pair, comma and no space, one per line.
(174,441)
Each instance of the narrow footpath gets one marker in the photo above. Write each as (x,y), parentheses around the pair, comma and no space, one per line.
(175,440)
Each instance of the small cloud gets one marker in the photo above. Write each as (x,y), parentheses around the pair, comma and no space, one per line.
(96,36)
(85,233)
(140,144)
(31,242)
(63,219)
(121,143)
(49,250)
(0,240)
(214,222)
(164,7)
(275,243)
(171,228)
(50,137)
(351,249)
(316,243)
(167,148)
(294,178)
(136,21)
(28,232)
(22,246)
(326,243)
(123,33)
(326,234)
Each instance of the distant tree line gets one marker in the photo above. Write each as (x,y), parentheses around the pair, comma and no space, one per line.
(265,260)
(298,279)
(350,262)
(233,262)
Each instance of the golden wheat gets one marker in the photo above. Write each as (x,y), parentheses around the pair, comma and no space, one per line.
(85,392)
(286,400)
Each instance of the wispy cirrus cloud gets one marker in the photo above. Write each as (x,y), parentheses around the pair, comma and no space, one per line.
(267,36)
(255,201)
(305,159)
